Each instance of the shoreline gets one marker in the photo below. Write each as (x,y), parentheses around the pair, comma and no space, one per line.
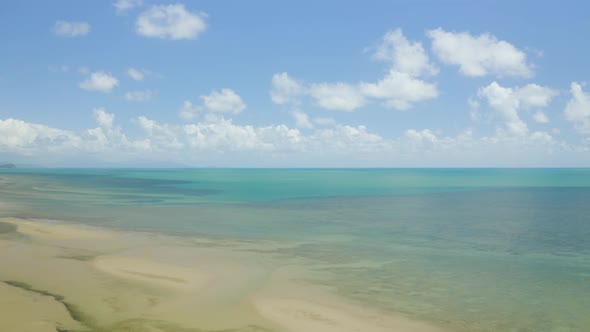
(92,278)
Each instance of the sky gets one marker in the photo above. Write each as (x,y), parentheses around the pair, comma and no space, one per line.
(218,83)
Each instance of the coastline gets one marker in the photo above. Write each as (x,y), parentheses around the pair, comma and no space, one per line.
(69,277)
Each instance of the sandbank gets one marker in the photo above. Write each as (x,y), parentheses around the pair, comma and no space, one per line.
(58,276)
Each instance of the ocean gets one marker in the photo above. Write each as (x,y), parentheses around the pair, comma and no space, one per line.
(466,249)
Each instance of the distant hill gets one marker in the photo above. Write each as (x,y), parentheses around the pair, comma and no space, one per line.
(8,166)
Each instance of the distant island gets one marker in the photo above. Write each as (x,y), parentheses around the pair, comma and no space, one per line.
(8,166)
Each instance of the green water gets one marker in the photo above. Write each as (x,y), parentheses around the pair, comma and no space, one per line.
(468,249)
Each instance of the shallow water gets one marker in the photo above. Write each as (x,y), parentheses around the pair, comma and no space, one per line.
(473,250)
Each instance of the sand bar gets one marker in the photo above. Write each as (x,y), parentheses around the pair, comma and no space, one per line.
(150,271)
(59,231)
(83,278)
(306,315)
(32,312)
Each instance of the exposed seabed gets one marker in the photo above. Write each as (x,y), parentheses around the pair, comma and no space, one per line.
(64,277)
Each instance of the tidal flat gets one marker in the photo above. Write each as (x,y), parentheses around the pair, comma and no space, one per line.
(63,277)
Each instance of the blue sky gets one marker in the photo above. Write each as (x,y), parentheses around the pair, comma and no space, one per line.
(295,84)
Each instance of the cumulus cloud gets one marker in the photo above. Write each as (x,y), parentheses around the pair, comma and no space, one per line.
(533,95)
(171,22)
(345,138)
(123,6)
(401,88)
(508,101)
(136,74)
(337,96)
(106,138)
(577,109)
(285,89)
(103,118)
(141,95)
(25,137)
(479,55)
(227,135)
(189,111)
(71,29)
(301,120)
(100,81)
(219,141)
(425,135)
(215,136)
(224,101)
(403,55)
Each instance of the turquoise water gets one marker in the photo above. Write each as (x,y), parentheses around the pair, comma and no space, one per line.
(469,249)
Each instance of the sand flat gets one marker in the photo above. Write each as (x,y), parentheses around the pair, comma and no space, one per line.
(59,231)
(32,312)
(297,315)
(114,280)
(151,271)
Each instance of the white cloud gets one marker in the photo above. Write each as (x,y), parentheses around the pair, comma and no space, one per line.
(146,124)
(285,89)
(345,137)
(421,141)
(123,6)
(136,74)
(225,135)
(302,120)
(171,22)
(100,81)
(508,101)
(142,95)
(103,118)
(158,136)
(337,96)
(71,29)
(504,101)
(26,137)
(224,101)
(404,56)
(529,149)
(189,111)
(479,55)
(421,136)
(577,110)
(541,117)
(533,95)
(399,90)
(221,142)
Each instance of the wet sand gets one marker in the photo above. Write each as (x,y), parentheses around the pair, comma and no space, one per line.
(63,277)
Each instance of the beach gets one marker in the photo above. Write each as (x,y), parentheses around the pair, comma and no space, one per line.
(66,277)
